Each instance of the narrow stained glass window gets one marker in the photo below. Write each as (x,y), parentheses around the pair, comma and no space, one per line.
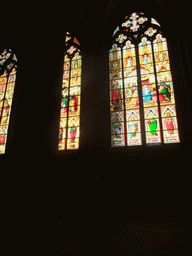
(69,129)
(142,101)
(8,65)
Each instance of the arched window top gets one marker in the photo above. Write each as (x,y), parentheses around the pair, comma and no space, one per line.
(72,46)
(136,25)
(8,61)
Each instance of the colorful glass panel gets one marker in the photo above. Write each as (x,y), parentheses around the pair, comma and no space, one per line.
(133,127)
(7,86)
(117,129)
(116,96)
(149,90)
(69,129)
(131,95)
(165,89)
(154,86)
(152,126)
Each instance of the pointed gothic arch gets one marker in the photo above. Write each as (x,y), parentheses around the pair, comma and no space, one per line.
(142,101)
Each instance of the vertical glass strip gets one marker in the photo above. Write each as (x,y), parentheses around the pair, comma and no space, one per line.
(149,92)
(116,97)
(131,95)
(7,86)
(64,104)
(74,103)
(165,90)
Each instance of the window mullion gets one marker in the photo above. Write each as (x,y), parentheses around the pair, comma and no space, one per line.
(125,123)
(160,119)
(68,105)
(140,96)
(4,97)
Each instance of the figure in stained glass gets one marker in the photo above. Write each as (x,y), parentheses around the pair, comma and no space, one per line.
(11,80)
(64,101)
(169,123)
(164,91)
(153,126)
(73,130)
(154,86)
(3,135)
(133,126)
(115,95)
(146,93)
(73,104)
(117,126)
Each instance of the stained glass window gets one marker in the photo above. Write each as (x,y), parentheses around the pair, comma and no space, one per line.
(69,127)
(142,101)
(8,67)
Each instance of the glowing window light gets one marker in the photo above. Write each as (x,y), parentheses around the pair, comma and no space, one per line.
(7,84)
(69,125)
(139,68)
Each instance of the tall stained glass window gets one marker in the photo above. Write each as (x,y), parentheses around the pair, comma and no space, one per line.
(69,127)
(8,67)
(142,101)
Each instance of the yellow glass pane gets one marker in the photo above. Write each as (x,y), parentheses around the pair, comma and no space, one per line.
(65,83)
(3,81)
(75,73)
(61,145)
(159,44)
(64,103)
(74,101)
(3,138)
(129,62)
(145,59)
(66,74)
(133,127)
(161,56)
(63,122)
(11,80)
(164,77)
(2,148)
(162,66)
(145,47)
(73,132)
(170,125)
(131,96)
(77,55)
(66,66)
(74,91)
(1,105)
(66,59)
(73,144)
(74,110)
(75,81)
(9,94)
(76,63)
(5,113)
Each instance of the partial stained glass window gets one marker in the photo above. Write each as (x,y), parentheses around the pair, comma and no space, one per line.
(8,67)
(142,101)
(165,90)
(69,128)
